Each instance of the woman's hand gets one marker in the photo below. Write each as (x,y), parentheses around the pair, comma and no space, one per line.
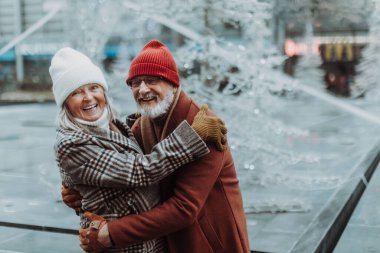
(210,128)
(95,238)
(71,198)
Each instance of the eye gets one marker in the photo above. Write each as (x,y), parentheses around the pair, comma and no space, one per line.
(94,87)
(135,82)
(150,80)
(75,92)
(153,80)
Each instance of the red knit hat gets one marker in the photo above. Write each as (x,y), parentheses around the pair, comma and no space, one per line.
(154,59)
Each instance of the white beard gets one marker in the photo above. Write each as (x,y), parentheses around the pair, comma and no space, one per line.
(160,109)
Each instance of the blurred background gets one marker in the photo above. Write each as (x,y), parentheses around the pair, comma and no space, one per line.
(296,81)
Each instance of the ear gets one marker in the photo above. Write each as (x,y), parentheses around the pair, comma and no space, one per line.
(105,97)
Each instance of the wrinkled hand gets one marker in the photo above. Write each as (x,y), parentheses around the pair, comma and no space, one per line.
(95,238)
(210,128)
(71,198)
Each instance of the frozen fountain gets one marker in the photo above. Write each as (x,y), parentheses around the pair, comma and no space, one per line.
(300,152)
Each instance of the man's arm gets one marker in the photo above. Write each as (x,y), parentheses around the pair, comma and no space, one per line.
(193,185)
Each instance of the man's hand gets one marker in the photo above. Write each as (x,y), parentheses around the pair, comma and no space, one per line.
(210,128)
(71,198)
(95,239)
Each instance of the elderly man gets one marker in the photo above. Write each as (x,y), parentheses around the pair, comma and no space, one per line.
(202,209)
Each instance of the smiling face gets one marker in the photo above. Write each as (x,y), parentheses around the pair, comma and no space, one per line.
(87,102)
(153,98)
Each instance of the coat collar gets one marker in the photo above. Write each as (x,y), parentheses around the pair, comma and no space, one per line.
(179,113)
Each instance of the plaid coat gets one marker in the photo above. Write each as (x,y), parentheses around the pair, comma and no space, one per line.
(114,177)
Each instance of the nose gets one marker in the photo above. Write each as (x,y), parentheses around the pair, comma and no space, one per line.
(143,89)
(87,95)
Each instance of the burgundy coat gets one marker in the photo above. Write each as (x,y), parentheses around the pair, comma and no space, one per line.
(203,209)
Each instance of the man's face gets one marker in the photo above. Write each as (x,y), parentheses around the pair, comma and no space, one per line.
(152,94)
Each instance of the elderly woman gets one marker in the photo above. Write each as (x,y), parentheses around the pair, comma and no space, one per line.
(97,154)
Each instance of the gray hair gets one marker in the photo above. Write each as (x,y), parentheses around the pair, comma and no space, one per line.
(65,119)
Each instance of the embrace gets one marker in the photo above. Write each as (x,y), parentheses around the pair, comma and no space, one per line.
(163,181)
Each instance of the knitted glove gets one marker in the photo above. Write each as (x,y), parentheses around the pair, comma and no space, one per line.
(71,198)
(95,238)
(210,128)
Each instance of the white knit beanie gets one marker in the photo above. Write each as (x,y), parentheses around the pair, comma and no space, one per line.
(71,69)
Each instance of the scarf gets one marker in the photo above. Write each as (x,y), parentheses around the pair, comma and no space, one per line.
(102,123)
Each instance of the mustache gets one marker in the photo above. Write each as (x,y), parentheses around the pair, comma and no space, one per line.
(147,96)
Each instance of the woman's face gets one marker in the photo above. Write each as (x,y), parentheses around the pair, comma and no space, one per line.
(87,102)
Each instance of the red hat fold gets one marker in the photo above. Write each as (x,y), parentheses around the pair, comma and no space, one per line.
(154,59)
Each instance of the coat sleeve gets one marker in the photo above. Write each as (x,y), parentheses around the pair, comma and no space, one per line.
(90,164)
(193,184)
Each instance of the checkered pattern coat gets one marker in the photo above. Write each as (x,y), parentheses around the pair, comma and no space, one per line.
(114,177)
